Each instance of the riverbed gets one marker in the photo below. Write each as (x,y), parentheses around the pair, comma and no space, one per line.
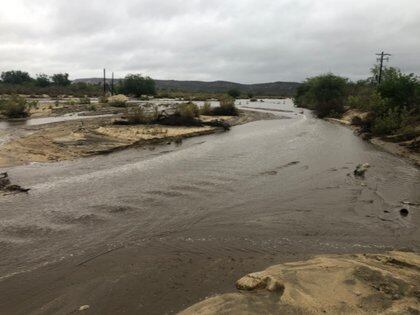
(152,231)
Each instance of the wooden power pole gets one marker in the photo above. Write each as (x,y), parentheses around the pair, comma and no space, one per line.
(112,84)
(104,82)
(381,63)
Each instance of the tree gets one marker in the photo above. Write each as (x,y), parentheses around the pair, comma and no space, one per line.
(325,94)
(399,89)
(15,77)
(137,85)
(61,79)
(235,93)
(42,80)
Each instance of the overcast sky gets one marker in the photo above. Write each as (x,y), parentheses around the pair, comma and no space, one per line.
(247,41)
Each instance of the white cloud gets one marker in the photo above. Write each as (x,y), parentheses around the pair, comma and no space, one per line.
(238,40)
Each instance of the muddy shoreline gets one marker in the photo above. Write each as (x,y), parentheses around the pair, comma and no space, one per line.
(391,147)
(68,140)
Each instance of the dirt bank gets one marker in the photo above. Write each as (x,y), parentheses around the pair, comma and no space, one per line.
(73,139)
(350,284)
(400,148)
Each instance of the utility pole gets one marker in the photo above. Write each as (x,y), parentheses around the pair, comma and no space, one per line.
(381,63)
(112,84)
(104,83)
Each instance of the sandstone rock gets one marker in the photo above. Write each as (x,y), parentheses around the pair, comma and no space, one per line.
(259,280)
(332,284)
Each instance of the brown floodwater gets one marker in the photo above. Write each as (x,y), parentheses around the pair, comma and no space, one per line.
(153,230)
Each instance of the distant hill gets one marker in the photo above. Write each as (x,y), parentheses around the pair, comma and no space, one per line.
(273,88)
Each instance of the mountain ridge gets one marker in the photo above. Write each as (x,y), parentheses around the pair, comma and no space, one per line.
(270,88)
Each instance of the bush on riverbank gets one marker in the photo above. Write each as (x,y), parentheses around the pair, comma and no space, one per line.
(206,109)
(14,107)
(119,100)
(136,85)
(325,94)
(139,116)
(394,104)
(226,108)
(84,100)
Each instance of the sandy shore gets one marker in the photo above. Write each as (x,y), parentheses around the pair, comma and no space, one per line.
(78,138)
(332,284)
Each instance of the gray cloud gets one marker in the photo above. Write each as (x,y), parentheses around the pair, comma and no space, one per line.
(239,40)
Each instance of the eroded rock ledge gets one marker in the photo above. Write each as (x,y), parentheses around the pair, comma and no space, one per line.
(334,284)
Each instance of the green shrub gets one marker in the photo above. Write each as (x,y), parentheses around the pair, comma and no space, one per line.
(102,99)
(409,132)
(61,79)
(137,85)
(139,116)
(325,94)
(84,100)
(70,102)
(14,107)
(188,111)
(226,108)
(206,109)
(366,99)
(399,89)
(386,124)
(301,97)
(234,93)
(15,77)
(42,80)
(119,100)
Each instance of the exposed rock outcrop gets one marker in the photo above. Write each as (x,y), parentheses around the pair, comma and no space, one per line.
(334,284)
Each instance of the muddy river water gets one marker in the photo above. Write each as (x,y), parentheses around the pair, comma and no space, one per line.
(154,230)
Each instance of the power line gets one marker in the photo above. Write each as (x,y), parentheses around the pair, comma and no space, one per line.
(381,63)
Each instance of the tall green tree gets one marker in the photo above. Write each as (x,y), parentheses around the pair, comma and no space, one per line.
(137,85)
(61,79)
(325,94)
(400,89)
(15,77)
(235,93)
(42,80)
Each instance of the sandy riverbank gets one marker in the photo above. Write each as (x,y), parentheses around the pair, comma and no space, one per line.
(398,148)
(73,139)
(331,284)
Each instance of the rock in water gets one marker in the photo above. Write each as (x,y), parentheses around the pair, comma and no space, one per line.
(404,212)
(361,169)
(84,307)
(6,186)
(4,180)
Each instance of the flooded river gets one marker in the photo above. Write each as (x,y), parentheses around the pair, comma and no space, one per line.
(153,230)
